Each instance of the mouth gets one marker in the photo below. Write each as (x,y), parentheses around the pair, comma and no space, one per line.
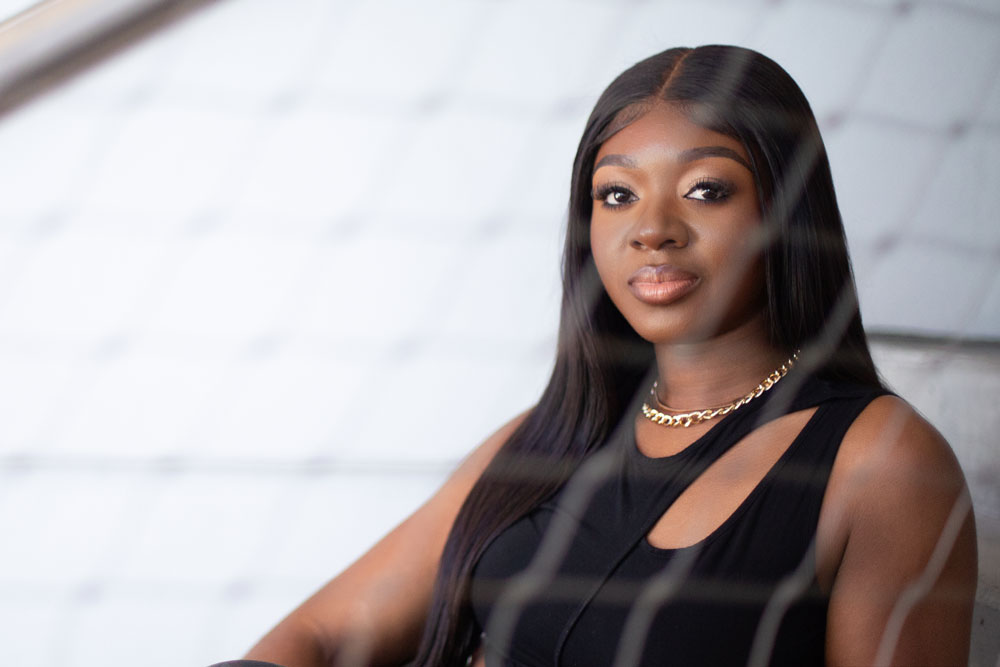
(661,285)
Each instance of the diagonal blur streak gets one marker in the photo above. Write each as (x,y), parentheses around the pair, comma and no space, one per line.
(51,42)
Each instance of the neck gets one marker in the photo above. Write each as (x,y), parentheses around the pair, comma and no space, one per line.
(696,375)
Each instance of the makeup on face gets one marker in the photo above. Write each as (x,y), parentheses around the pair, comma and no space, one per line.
(674,206)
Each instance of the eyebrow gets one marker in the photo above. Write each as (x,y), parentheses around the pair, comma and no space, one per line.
(616,160)
(690,155)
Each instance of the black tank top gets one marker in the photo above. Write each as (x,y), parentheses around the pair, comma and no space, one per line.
(603,596)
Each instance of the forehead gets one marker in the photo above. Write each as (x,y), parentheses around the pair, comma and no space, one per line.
(665,132)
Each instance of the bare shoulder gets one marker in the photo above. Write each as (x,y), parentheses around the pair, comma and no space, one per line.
(436,516)
(905,582)
(894,485)
(891,449)
(899,478)
(471,468)
(379,604)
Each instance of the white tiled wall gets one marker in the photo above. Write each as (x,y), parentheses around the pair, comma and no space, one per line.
(267,276)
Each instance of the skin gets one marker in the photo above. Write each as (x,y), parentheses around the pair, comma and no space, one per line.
(373,612)
(895,541)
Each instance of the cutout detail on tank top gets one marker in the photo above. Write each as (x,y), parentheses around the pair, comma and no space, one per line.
(744,505)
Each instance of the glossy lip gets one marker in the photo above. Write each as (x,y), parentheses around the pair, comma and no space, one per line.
(662,284)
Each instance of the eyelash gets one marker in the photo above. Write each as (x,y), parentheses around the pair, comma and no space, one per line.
(722,189)
(602,192)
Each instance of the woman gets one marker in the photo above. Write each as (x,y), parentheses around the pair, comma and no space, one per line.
(785,510)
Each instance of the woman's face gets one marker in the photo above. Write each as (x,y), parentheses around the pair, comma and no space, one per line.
(675,230)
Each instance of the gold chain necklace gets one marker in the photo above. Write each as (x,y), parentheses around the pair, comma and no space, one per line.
(686,419)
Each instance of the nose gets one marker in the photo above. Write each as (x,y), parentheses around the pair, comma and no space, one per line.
(659,228)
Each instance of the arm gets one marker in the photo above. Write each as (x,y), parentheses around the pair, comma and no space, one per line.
(904,590)
(373,612)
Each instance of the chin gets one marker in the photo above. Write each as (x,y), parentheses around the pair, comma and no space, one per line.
(665,330)
(659,333)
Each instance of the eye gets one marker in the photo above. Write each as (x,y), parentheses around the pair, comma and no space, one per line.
(614,195)
(709,190)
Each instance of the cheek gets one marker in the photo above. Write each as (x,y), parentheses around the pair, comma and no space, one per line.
(741,265)
(737,238)
(602,249)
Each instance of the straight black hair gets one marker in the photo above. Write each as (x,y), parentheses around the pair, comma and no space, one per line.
(811,299)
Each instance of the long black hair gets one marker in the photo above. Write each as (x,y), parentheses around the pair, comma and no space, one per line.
(811,299)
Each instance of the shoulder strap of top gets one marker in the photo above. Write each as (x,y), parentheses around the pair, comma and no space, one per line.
(795,392)
(841,407)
